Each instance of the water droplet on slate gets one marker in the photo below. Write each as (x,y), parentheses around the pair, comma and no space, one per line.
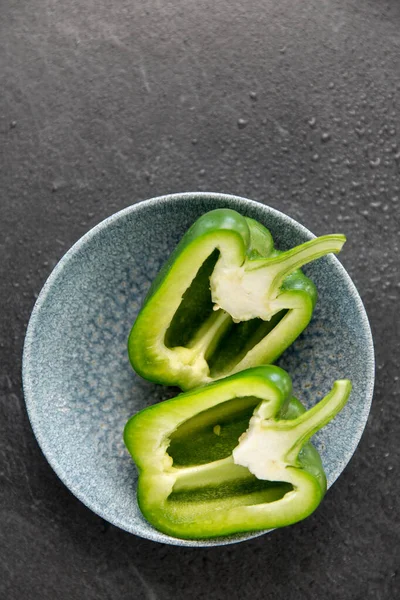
(375,163)
(242,123)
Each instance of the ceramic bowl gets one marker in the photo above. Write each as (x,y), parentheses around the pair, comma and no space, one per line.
(79,386)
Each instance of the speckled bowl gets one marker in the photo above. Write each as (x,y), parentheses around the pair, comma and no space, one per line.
(79,386)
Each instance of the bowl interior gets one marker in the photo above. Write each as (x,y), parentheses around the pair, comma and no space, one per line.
(80,389)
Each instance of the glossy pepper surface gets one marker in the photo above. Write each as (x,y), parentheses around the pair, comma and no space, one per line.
(232,456)
(225,301)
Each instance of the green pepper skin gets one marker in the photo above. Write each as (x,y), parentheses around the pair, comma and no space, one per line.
(181,338)
(215,220)
(191,451)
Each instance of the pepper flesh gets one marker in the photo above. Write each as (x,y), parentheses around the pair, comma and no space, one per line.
(232,456)
(225,301)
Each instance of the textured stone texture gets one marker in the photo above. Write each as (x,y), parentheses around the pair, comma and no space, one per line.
(291,103)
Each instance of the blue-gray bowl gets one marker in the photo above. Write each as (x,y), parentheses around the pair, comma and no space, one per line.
(80,389)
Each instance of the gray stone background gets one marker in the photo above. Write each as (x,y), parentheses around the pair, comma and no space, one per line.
(291,103)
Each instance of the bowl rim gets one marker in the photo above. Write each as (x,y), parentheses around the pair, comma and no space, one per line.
(28,376)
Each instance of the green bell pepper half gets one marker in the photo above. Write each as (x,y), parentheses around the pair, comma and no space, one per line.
(225,301)
(232,456)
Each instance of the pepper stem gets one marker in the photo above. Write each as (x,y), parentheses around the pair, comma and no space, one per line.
(249,291)
(307,424)
(285,263)
(269,446)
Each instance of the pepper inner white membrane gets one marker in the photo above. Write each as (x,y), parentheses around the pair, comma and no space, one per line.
(196,315)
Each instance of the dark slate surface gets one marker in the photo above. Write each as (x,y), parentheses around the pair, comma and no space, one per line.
(107,103)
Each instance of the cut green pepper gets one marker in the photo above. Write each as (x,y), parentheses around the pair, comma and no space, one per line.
(232,456)
(225,301)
